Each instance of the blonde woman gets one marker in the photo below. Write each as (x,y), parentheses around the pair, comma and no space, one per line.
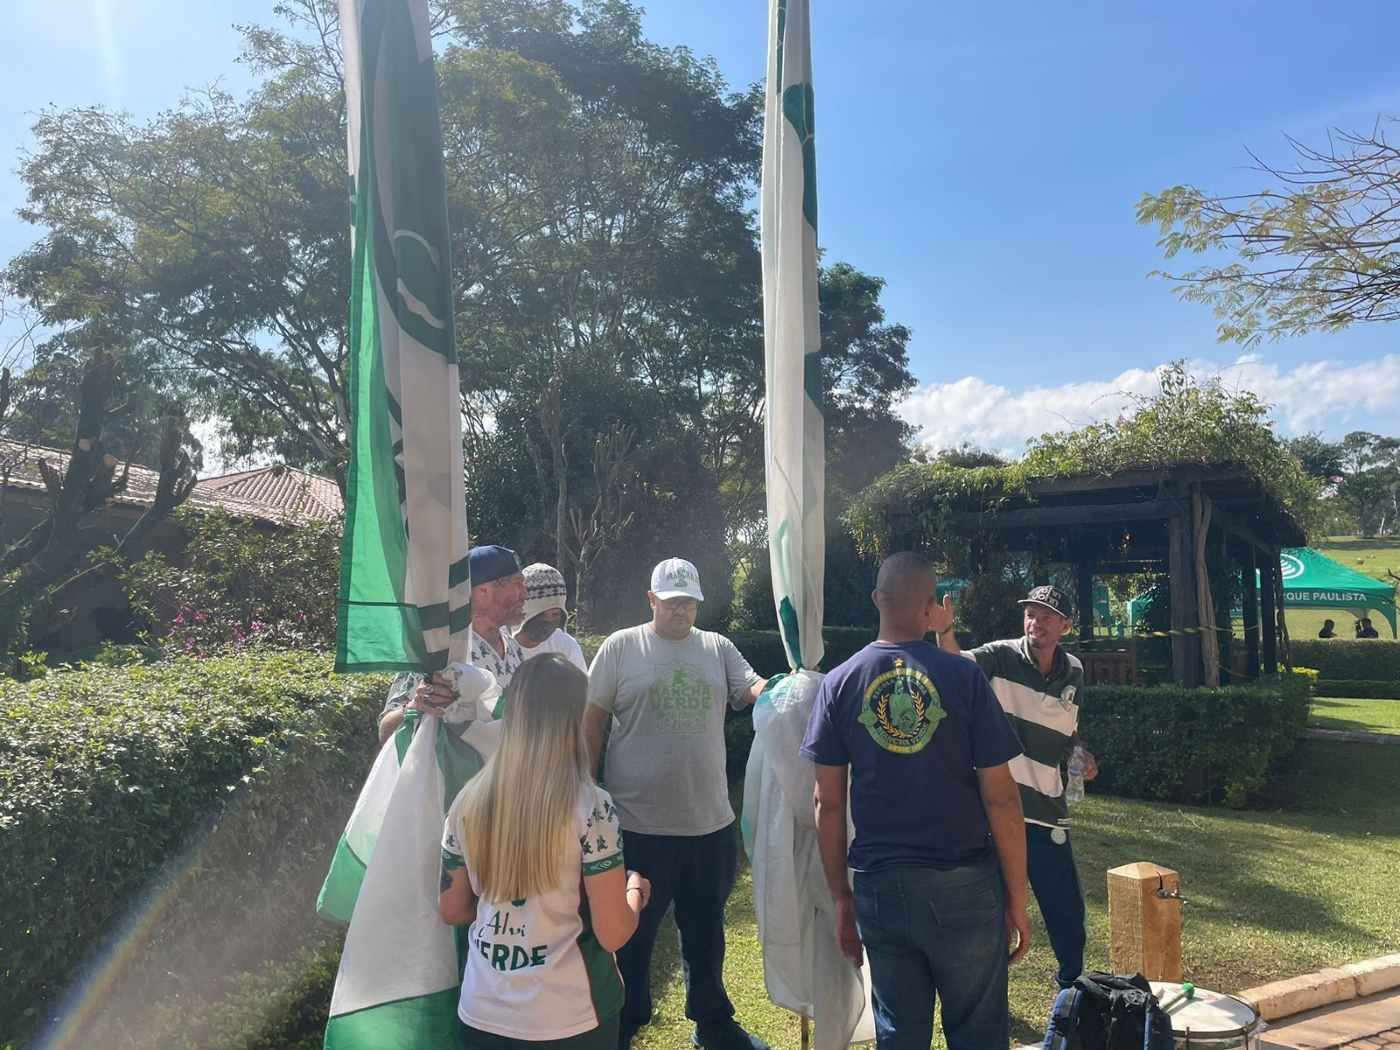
(532,860)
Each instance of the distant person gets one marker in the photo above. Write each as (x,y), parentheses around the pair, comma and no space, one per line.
(1329,629)
(532,861)
(664,687)
(542,630)
(1040,687)
(1368,629)
(939,896)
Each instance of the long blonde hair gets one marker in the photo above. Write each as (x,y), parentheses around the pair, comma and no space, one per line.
(516,816)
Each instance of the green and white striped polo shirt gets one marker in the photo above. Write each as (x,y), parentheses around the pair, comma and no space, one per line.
(1044,711)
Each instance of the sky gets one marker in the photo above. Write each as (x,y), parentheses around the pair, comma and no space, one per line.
(984,159)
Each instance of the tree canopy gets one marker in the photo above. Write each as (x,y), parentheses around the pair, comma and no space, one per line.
(1187,422)
(1318,250)
(599,191)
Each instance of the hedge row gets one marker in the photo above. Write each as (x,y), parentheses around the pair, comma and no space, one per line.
(1354,689)
(204,795)
(1196,746)
(1370,660)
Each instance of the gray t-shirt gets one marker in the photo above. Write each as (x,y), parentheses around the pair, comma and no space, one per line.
(665,759)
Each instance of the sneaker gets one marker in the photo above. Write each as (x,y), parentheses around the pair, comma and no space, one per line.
(725,1035)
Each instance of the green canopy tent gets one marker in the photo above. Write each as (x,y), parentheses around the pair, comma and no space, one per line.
(1311,580)
(1314,581)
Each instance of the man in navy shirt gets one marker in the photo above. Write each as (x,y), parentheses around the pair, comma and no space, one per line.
(939,855)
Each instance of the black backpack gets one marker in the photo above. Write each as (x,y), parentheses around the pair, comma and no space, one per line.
(1103,1011)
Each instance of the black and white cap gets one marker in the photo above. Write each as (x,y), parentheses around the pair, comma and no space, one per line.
(1052,598)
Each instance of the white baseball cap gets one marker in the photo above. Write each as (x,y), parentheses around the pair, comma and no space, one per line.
(676,578)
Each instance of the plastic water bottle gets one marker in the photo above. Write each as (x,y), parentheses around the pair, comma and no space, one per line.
(1074,789)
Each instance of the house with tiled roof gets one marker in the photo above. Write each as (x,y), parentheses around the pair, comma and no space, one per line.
(275,497)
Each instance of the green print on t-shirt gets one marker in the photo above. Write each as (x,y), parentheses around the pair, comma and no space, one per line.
(682,701)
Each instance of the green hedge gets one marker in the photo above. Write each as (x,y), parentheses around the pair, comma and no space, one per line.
(202,796)
(1357,689)
(1370,660)
(1198,746)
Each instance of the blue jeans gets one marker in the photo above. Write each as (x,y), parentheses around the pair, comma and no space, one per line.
(1055,883)
(930,932)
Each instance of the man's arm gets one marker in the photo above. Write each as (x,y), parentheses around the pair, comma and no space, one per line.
(1001,798)
(751,694)
(389,724)
(832,841)
(595,725)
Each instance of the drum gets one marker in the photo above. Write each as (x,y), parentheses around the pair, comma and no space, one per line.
(1209,1020)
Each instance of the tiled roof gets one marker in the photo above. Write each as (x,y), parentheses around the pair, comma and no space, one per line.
(303,495)
(275,494)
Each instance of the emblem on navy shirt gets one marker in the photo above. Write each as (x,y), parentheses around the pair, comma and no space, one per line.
(901,710)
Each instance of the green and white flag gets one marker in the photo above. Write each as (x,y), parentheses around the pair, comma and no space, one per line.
(794,439)
(405,589)
(405,586)
(398,981)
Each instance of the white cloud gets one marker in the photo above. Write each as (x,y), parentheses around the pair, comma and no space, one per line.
(1318,395)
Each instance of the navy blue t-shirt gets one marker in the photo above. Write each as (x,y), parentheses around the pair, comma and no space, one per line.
(914,724)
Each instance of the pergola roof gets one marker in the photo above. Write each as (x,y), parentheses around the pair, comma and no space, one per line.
(1133,503)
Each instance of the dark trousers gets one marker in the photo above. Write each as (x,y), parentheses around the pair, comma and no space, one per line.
(604,1037)
(936,932)
(697,873)
(1055,882)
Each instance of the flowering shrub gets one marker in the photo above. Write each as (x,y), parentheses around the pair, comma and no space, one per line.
(238,585)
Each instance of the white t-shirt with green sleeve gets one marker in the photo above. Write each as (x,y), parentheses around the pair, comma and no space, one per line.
(534,969)
(665,757)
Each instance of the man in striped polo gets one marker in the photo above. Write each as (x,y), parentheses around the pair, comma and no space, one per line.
(1039,685)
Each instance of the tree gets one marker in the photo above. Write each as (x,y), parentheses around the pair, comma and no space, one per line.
(1321,459)
(598,194)
(57,553)
(1370,489)
(1316,252)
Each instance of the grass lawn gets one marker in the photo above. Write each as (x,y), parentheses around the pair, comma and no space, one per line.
(1370,557)
(1272,893)
(1367,716)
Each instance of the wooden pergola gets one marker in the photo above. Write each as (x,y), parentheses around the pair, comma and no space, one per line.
(1174,520)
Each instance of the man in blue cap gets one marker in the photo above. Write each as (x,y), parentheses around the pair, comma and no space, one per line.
(498,604)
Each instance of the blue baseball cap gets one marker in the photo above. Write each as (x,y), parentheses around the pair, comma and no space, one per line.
(492,563)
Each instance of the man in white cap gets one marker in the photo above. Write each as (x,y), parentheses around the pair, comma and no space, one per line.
(543,628)
(664,687)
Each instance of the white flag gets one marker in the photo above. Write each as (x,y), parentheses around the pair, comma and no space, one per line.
(793,436)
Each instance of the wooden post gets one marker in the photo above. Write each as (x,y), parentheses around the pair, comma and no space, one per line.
(1144,928)
(1268,610)
(1181,565)
(1086,600)
(1251,613)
